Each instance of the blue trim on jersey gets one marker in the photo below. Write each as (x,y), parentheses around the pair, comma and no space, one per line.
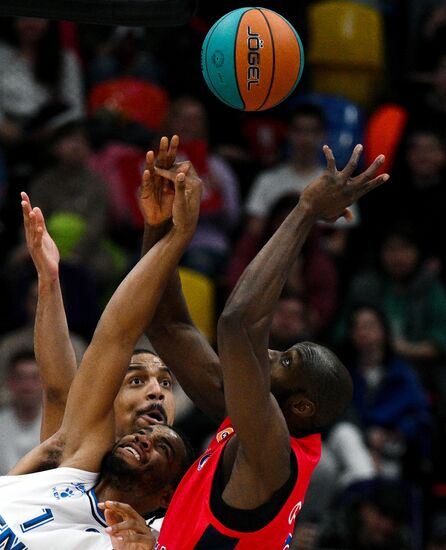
(98,514)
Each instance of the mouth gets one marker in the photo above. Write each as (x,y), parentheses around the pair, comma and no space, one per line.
(134,451)
(152,417)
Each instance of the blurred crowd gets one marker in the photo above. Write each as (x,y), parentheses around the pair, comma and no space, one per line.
(79,107)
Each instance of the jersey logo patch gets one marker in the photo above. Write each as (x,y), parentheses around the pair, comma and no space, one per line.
(69,490)
(203,460)
(221,436)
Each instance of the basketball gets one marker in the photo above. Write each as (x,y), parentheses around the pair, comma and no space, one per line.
(252,59)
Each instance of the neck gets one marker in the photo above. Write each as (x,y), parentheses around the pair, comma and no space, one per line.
(136,497)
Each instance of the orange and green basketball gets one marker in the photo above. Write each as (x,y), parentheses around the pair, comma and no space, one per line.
(252,59)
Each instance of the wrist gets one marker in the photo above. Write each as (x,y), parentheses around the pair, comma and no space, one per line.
(47,281)
(306,208)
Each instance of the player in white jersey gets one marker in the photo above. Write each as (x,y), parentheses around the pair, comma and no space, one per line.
(58,508)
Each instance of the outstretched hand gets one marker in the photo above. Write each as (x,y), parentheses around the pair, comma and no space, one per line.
(156,193)
(42,248)
(330,195)
(187,196)
(127,529)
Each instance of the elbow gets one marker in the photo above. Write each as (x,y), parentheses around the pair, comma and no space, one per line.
(232,320)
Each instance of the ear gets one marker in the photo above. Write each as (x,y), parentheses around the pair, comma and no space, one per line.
(303,407)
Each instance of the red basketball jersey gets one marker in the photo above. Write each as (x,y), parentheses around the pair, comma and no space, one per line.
(190,524)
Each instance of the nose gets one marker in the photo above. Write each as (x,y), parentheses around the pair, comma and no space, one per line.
(142,439)
(155,392)
(273,354)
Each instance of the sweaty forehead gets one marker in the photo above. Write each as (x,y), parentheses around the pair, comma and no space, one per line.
(146,361)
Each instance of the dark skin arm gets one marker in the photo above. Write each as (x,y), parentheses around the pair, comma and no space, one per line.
(262,448)
(172,332)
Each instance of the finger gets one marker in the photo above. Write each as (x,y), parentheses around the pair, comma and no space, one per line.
(25,197)
(329,157)
(26,209)
(37,226)
(183,167)
(40,220)
(371,170)
(172,152)
(162,152)
(180,191)
(111,517)
(119,506)
(372,184)
(352,164)
(164,145)
(121,526)
(168,174)
(150,162)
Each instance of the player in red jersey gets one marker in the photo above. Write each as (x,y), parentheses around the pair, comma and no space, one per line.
(248,487)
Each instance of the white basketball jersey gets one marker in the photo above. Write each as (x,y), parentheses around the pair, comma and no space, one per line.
(51,510)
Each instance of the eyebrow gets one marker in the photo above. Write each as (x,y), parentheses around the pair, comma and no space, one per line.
(135,367)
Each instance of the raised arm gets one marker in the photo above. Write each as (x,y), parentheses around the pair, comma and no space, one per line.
(88,421)
(172,332)
(52,345)
(244,325)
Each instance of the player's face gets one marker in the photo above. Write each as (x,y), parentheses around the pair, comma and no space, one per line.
(156,452)
(146,395)
(285,369)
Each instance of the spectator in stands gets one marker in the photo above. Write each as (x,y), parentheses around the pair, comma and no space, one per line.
(306,132)
(22,305)
(20,419)
(78,210)
(414,302)
(375,519)
(314,273)
(220,205)
(418,192)
(35,72)
(122,53)
(290,323)
(389,402)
